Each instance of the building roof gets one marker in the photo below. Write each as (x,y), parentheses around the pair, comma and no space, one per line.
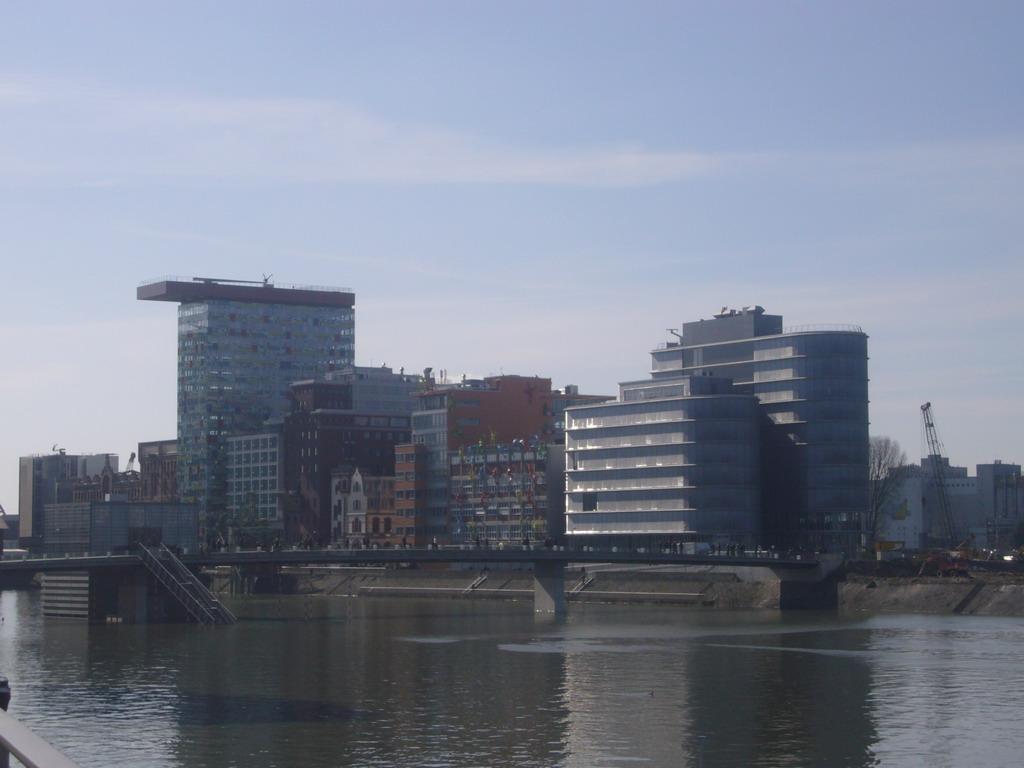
(196,289)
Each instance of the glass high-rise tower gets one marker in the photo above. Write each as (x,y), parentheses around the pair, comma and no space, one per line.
(240,346)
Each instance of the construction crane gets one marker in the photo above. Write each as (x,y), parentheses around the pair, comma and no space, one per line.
(936,452)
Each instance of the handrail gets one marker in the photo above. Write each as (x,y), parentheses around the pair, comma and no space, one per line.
(184,585)
(198,611)
(31,749)
(480,579)
(204,594)
(582,584)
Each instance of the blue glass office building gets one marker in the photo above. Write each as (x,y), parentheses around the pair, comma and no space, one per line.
(240,346)
(810,384)
(672,461)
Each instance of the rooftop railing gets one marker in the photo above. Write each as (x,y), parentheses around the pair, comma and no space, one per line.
(285,286)
(823,327)
(812,328)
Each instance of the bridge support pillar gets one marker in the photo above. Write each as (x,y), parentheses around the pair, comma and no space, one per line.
(549,588)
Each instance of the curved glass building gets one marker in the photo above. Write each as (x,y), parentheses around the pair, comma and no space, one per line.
(808,391)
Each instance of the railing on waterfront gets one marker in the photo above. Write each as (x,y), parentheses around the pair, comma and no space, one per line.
(19,740)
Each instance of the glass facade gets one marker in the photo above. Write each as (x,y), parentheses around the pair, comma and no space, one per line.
(498,493)
(239,349)
(254,476)
(812,387)
(118,526)
(665,461)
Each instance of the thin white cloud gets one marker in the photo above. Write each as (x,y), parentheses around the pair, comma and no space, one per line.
(63,133)
(58,133)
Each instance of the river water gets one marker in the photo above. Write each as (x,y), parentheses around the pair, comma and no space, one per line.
(306,682)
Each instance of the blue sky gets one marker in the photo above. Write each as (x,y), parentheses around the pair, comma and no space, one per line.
(520,187)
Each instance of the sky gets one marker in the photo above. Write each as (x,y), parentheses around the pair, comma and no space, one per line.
(537,188)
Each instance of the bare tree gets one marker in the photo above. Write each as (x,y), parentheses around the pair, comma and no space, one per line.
(887,464)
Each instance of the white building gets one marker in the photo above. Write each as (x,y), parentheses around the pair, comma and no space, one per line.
(989,505)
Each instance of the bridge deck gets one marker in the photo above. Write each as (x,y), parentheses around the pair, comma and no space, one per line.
(347,557)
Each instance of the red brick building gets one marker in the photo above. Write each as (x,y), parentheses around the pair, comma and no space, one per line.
(353,418)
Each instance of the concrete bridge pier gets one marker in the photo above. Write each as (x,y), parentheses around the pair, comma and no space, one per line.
(549,588)
(809,588)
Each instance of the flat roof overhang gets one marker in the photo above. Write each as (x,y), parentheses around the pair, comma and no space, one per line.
(183,292)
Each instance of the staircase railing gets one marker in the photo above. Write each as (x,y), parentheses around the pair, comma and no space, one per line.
(185,586)
(200,590)
(480,579)
(582,584)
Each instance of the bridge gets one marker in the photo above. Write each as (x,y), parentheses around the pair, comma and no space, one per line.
(128,580)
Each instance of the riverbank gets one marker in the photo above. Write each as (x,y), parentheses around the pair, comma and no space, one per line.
(857,586)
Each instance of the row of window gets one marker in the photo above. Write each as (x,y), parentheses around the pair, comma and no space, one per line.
(266,470)
(493,457)
(262,457)
(706,499)
(671,476)
(677,521)
(429,419)
(253,443)
(245,486)
(811,389)
(637,413)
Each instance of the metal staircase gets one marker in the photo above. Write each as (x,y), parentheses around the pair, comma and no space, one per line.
(185,586)
(582,584)
(480,579)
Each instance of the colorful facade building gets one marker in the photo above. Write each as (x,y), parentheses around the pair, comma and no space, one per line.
(519,413)
(498,493)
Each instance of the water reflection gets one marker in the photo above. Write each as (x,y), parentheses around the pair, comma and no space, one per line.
(355,682)
(201,710)
(801,700)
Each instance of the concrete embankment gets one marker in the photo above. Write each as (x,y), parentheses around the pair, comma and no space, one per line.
(658,587)
(981,595)
(856,587)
